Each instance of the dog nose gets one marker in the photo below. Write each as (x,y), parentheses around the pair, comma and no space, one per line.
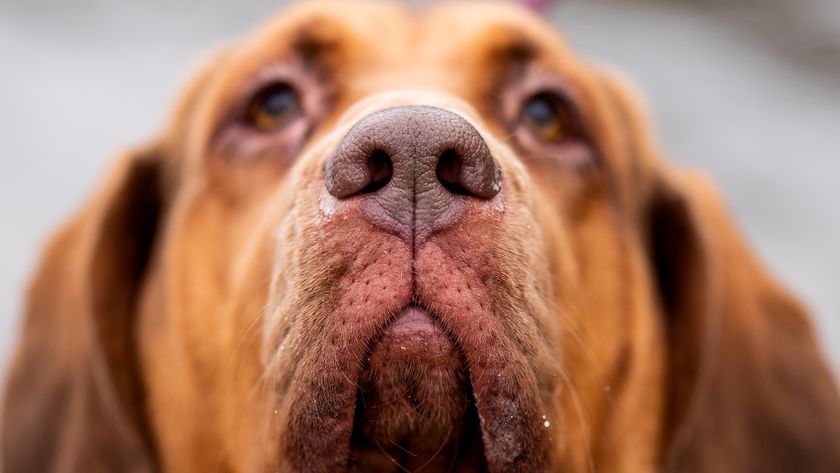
(413,168)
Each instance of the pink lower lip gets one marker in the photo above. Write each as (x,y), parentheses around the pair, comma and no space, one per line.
(414,393)
(414,321)
(414,334)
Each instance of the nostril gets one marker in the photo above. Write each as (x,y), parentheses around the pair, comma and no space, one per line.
(388,155)
(449,168)
(380,169)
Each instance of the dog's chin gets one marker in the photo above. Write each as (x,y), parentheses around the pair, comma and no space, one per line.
(415,407)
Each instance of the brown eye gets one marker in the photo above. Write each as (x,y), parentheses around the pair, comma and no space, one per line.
(546,116)
(273,107)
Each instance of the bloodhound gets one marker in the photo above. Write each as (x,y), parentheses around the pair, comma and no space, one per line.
(372,239)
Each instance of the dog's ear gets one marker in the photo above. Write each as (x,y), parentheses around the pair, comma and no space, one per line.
(74,396)
(748,388)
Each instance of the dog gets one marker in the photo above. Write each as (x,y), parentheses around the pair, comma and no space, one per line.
(373,239)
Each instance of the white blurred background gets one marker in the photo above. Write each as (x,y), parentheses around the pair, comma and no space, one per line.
(747,90)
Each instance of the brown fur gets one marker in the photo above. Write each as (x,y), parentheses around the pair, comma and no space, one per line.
(204,312)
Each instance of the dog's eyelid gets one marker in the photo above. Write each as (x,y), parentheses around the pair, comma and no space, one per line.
(536,78)
(573,143)
(288,73)
(563,97)
(235,130)
(277,72)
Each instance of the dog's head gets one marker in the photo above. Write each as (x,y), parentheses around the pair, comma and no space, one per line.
(372,240)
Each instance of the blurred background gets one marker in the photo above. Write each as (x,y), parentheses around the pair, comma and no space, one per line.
(747,90)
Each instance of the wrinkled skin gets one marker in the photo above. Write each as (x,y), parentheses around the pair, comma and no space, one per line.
(216,307)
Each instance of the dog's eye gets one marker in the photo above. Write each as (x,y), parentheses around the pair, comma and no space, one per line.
(546,116)
(273,107)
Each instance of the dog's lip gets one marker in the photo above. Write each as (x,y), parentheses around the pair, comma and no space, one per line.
(414,327)
(414,371)
(415,333)
(414,322)
(503,392)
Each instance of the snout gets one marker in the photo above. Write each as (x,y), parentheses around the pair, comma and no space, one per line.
(411,168)
(417,315)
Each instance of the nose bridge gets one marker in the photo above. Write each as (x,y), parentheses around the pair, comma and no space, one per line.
(413,168)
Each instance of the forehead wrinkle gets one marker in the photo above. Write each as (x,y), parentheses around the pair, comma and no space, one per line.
(485,41)
(318,27)
(326,38)
(472,22)
(507,52)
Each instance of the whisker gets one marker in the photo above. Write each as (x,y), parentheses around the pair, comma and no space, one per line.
(584,425)
(389,457)
(440,449)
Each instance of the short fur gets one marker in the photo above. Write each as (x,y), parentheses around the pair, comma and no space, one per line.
(208,309)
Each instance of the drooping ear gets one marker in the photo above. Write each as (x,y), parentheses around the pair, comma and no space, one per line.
(74,396)
(747,386)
